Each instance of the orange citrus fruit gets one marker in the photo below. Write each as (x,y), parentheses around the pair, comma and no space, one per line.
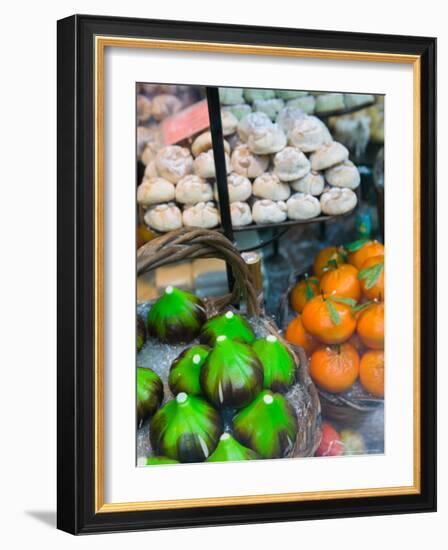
(371,277)
(328,320)
(370,326)
(367,250)
(341,281)
(371,372)
(302,293)
(296,334)
(331,255)
(335,368)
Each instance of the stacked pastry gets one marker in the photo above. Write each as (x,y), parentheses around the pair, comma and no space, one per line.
(282,164)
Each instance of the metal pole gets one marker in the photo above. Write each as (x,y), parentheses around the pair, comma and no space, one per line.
(214,113)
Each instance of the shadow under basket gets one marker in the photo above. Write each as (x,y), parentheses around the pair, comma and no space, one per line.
(186,244)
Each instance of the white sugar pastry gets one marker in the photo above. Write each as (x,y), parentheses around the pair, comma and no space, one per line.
(328,156)
(144,108)
(288,116)
(268,186)
(343,175)
(252,122)
(270,107)
(248,164)
(302,207)
(204,164)
(267,211)
(150,170)
(290,164)
(174,162)
(240,213)
(154,191)
(204,142)
(309,134)
(165,105)
(203,214)
(311,184)
(164,217)
(264,141)
(192,189)
(253,94)
(143,136)
(229,122)
(338,200)
(240,188)
(231,96)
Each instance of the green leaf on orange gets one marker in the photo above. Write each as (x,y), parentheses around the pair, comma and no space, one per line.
(333,312)
(355,245)
(361,307)
(371,274)
(309,294)
(343,300)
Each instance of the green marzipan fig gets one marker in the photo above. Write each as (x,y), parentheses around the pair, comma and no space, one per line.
(141,333)
(176,317)
(185,370)
(186,429)
(229,449)
(278,363)
(156,460)
(231,325)
(232,374)
(268,425)
(149,393)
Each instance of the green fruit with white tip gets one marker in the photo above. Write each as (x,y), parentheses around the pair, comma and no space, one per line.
(186,369)
(141,334)
(176,317)
(278,363)
(232,374)
(229,324)
(157,460)
(229,450)
(149,393)
(186,429)
(268,425)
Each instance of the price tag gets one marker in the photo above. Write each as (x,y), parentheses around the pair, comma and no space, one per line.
(186,123)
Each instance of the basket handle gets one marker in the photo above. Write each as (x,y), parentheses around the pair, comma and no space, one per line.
(190,244)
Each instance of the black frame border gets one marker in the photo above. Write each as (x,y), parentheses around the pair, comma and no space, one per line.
(75,272)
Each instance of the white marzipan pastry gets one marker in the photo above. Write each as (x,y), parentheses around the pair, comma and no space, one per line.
(309,134)
(328,155)
(343,175)
(150,170)
(174,162)
(204,142)
(306,104)
(264,141)
(240,188)
(164,217)
(287,118)
(338,200)
(252,122)
(144,108)
(165,105)
(291,164)
(154,191)
(192,189)
(268,186)
(229,122)
(203,214)
(246,163)
(267,211)
(239,111)
(302,207)
(270,107)
(143,136)
(311,184)
(240,213)
(204,164)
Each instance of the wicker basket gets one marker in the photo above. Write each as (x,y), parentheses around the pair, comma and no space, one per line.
(185,244)
(348,409)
